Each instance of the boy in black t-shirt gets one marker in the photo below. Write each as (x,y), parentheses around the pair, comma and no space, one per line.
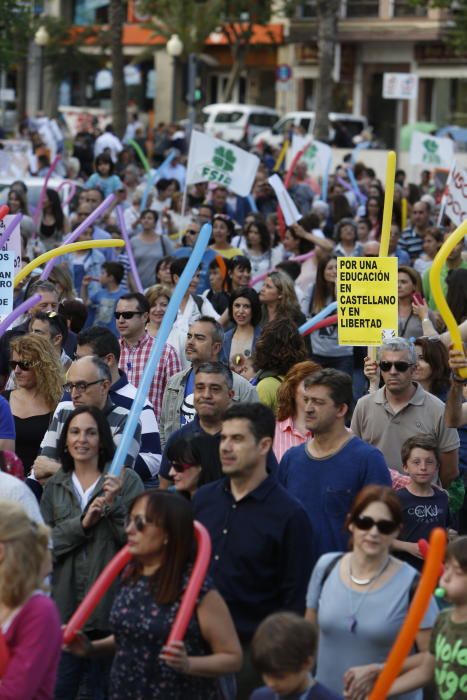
(424,506)
(283,650)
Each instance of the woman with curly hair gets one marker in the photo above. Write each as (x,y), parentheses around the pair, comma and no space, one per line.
(279,347)
(29,619)
(279,300)
(291,428)
(38,378)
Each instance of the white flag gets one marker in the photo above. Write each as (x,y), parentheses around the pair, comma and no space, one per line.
(431,151)
(317,155)
(213,160)
(455,195)
(286,203)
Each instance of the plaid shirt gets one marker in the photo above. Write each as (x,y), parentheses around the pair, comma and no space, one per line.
(133,360)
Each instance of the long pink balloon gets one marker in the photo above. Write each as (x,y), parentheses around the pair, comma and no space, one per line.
(129,251)
(37,213)
(298,258)
(200,567)
(10,228)
(16,313)
(72,186)
(71,238)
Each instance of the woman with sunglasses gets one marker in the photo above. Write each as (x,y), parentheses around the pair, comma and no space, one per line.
(188,470)
(161,539)
(38,387)
(85,507)
(359,599)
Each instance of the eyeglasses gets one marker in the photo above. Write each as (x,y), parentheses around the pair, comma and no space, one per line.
(137,520)
(23,365)
(385,527)
(181,467)
(191,232)
(80,387)
(399,365)
(127,314)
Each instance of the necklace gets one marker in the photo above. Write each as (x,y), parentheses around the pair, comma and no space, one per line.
(366,581)
(353,623)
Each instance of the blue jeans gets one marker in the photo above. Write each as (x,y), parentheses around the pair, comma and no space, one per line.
(72,670)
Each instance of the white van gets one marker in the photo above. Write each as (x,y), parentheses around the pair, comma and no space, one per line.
(274,137)
(236,122)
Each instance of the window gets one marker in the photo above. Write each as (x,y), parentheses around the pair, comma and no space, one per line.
(228,117)
(265,120)
(406,8)
(362,8)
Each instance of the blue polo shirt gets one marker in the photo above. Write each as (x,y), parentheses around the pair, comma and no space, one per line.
(327,487)
(261,550)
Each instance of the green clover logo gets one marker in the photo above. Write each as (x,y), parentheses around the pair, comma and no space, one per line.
(224,159)
(430,146)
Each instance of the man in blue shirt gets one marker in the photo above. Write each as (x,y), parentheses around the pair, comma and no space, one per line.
(261,537)
(327,472)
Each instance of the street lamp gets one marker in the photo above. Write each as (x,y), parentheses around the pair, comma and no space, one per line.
(41,39)
(174,49)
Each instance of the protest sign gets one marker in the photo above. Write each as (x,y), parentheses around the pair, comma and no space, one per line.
(7,276)
(318,155)
(455,195)
(13,244)
(366,300)
(286,203)
(213,160)
(431,151)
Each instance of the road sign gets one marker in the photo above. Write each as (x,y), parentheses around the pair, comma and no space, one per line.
(283,73)
(400,86)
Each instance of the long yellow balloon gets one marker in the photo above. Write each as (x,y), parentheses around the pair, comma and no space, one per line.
(403,212)
(281,155)
(388,204)
(438,295)
(63,250)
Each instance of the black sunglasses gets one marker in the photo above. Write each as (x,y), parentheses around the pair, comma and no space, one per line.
(385,527)
(400,365)
(81,387)
(137,520)
(25,366)
(181,467)
(127,314)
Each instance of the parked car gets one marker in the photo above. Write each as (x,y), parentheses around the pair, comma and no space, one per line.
(350,126)
(238,123)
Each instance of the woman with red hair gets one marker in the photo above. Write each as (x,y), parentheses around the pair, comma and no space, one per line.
(291,427)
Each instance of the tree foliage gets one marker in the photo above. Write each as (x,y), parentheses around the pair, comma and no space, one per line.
(194,20)
(455,30)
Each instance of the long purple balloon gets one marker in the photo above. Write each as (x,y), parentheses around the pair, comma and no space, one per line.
(129,251)
(71,238)
(10,228)
(16,313)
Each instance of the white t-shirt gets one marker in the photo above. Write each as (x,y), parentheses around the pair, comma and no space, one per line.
(12,489)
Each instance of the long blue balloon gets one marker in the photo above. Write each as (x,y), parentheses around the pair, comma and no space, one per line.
(152,179)
(353,181)
(329,309)
(157,349)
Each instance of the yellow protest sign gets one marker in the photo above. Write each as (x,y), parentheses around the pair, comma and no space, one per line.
(366,300)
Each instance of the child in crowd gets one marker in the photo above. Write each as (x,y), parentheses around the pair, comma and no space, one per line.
(103,302)
(104,177)
(446,660)
(283,651)
(424,506)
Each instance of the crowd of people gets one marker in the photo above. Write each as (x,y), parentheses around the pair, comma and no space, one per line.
(315,468)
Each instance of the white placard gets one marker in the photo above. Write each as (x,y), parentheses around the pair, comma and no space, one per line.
(286,203)
(400,86)
(7,276)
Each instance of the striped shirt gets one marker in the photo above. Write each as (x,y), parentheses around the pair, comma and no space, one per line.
(133,360)
(116,418)
(411,242)
(287,436)
(148,462)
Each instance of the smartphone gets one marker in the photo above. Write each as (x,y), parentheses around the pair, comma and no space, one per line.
(418,298)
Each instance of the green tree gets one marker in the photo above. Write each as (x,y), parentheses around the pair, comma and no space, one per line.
(327,15)
(117,18)
(194,20)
